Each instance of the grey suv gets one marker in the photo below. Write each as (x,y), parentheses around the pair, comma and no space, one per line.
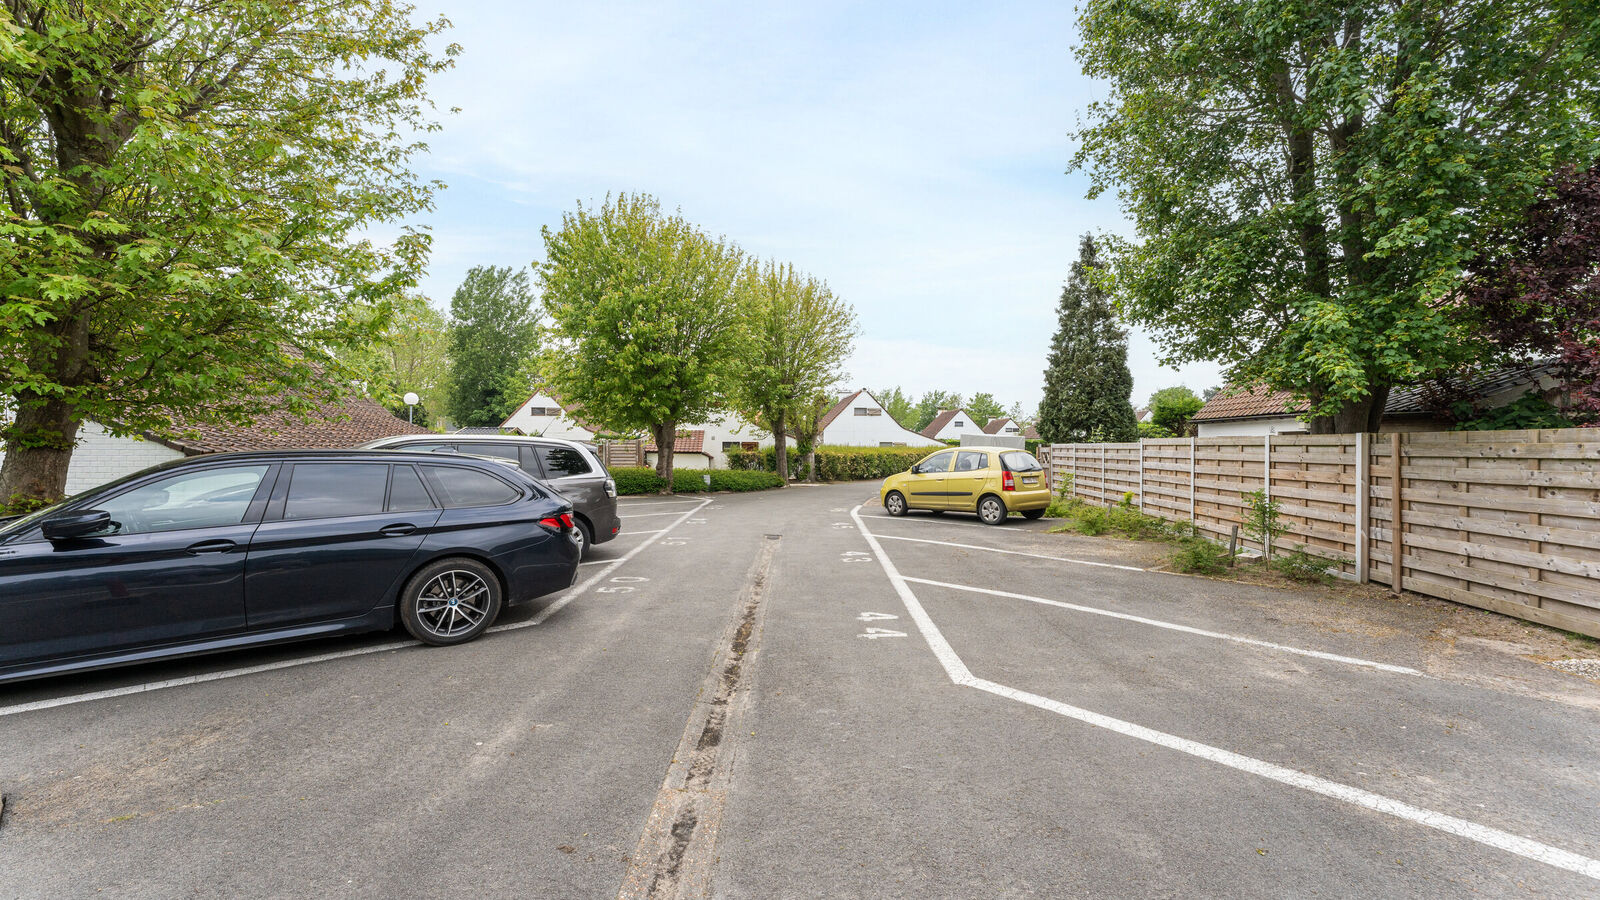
(572,469)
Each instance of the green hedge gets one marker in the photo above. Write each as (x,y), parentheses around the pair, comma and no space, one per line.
(689,481)
(836,463)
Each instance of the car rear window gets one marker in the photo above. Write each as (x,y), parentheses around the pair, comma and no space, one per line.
(327,490)
(406,493)
(1018,461)
(458,488)
(560,462)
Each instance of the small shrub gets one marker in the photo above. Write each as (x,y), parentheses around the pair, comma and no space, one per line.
(1091,521)
(689,481)
(1299,565)
(1198,556)
(835,463)
(1127,500)
(1261,521)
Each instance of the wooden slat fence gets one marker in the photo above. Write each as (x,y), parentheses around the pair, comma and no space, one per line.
(1503,520)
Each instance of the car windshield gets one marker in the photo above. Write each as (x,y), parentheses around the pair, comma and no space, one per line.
(1018,461)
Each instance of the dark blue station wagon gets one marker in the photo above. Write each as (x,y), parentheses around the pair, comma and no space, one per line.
(243,549)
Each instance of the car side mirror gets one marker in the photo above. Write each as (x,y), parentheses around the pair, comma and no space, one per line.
(74,525)
(916,468)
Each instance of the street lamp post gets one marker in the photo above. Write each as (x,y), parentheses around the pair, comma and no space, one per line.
(412,400)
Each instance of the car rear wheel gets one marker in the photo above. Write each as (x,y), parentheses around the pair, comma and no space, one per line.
(1033,514)
(585,537)
(450,601)
(895,503)
(991,510)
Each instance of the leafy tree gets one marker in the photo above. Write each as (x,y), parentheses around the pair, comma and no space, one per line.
(416,357)
(1086,380)
(1170,408)
(647,316)
(800,335)
(494,329)
(186,191)
(898,406)
(808,430)
(1536,286)
(1309,178)
(930,405)
(1020,416)
(983,408)
(1152,430)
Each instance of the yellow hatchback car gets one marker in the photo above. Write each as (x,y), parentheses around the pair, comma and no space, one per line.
(990,481)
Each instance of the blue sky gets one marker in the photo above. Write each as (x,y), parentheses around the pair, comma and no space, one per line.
(912,154)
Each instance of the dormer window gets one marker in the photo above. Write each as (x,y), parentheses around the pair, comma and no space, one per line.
(868,411)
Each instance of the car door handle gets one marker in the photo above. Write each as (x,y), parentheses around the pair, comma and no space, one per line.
(399,530)
(219,546)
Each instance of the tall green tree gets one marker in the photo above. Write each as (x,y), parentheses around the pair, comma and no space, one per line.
(899,406)
(1170,408)
(494,330)
(1086,379)
(1308,178)
(983,408)
(416,350)
(800,335)
(186,191)
(647,317)
(931,403)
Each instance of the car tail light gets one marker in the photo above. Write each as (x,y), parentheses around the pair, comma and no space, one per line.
(1008,482)
(559,523)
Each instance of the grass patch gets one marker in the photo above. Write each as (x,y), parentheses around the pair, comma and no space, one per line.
(1298,565)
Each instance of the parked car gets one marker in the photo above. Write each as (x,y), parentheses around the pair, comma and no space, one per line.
(572,468)
(990,481)
(242,549)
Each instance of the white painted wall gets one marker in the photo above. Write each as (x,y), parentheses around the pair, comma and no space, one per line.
(852,430)
(100,458)
(1249,427)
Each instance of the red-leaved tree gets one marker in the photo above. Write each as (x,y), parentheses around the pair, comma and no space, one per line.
(1537,287)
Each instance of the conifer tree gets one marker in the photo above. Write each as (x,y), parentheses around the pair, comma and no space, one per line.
(1087,384)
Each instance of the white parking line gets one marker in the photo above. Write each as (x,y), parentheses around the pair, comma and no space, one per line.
(961,675)
(647,515)
(543,615)
(1065,559)
(932,520)
(626,502)
(1173,626)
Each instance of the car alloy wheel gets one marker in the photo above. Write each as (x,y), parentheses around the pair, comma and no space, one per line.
(991,511)
(895,504)
(583,538)
(450,602)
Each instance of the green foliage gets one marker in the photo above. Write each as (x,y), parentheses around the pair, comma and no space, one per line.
(494,329)
(646,314)
(1528,411)
(1198,556)
(1308,179)
(1086,381)
(1170,409)
(837,463)
(188,198)
(1123,520)
(632,481)
(898,406)
(1298,565)
(412,354)
(800,335)
(1261,520)
(1152,430)
(19,505)
(930,404)
(984,408)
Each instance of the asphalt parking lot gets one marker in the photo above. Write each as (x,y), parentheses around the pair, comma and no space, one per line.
(789,694)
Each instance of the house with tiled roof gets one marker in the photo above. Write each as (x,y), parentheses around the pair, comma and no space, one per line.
(546,415)
(1007,426)
(1260,411)
(101,457)
(951,424)
(859,420)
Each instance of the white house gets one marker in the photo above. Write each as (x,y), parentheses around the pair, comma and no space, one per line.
(859,420)
(706,446)
(542,415)
(951,424)
(1008,427)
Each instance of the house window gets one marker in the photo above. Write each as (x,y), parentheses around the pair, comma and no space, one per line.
(891,443)
(544,410)
(732,445)
(868,411)
(960,424)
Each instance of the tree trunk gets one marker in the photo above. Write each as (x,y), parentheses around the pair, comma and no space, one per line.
(778,437)
(666,435)
(1365,414)
(38,449)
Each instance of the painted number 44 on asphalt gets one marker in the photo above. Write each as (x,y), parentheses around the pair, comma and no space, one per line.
(873,634)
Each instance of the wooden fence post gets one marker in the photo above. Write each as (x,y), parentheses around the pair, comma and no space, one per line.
(1141,476)
(1363,493)
(1074,447)
(1397,537)
(1103,476)
(1266,490)
(1193,519)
